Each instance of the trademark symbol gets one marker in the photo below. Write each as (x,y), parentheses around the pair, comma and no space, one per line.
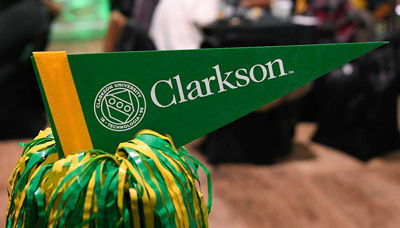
(291,71)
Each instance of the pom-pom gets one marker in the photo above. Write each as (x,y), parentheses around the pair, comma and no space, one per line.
(146,183)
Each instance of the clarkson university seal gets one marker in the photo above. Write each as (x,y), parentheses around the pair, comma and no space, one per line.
(119,106)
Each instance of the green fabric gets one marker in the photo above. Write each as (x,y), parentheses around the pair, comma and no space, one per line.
(195,91)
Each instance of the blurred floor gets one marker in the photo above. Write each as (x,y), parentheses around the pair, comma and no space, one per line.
(316,186)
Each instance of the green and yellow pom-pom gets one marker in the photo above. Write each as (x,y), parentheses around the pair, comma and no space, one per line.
(146,183)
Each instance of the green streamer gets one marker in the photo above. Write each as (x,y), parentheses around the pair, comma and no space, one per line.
(49,191)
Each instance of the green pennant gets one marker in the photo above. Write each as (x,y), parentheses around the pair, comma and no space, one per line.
(185,93)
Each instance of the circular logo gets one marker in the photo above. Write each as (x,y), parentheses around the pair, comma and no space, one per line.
(120,106)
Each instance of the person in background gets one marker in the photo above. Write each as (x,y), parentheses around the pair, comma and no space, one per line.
(143,12)
(129,24)
(121,10)
(354,106)
(338,21)
(176,24)
(24,28)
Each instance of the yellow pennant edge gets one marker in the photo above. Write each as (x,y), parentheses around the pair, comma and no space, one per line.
(66,110)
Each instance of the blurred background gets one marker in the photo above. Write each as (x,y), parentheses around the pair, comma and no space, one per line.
(325,155)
